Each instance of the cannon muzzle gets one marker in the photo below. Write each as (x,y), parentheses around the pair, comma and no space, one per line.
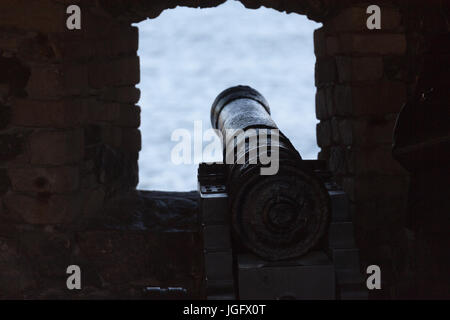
(279,210)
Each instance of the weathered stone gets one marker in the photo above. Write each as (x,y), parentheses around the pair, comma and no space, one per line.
(157,258)
(4,182)
(320,48)
(337,160)
(378,99)
(16,278)
(335,136)
(324,103)
(373,161)
(49,249)
(121,94)
(54,180)
(55,80)
(114,113)
(352,69)
(355,18)
(56,147)
(395,68)
(50,113)
(45,16)
(120,72)
(323,131)
(44,208)
(381,44)
(93,202)
(11,145)
(368,132)
(325,71)
(5,116)
(333,46)
(372,187)
(321,105)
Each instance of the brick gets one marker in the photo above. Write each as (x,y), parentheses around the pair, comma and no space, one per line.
(335,136)
(44,208)
(337,160)
(333,46)
(93,202)
(54,180)
(371,132)
(354,69)
(44,15)
(319,42)
(321,105)
(377,99)
(4,181)
(112,136)
(129,95)
(56,147)
(382,44)
(54,80)
(323,132)
(49,113)
(325,71)
(346,132)
(376,160)
(126,139)
(375,187)
(355,19)
(131,140)
(115,113)
(378,221)
(11,145)
(117,72)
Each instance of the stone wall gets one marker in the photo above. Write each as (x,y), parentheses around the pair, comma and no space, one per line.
(69,143)
(360,90)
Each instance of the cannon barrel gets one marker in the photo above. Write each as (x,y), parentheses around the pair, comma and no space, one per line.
(279,215)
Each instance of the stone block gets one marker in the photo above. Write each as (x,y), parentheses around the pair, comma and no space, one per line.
(45,16)
(373,43)
(54,80)
(56,147)
(355,69)
(54,180)
(49,113)
(373,160)
(11,145)
(128,94)
(320,48)
(373,187)
(117,72)
(44,208)
(323,131)
(355,19)
(378,99)
(325,71)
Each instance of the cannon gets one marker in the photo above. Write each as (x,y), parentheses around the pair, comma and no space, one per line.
(278,207)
